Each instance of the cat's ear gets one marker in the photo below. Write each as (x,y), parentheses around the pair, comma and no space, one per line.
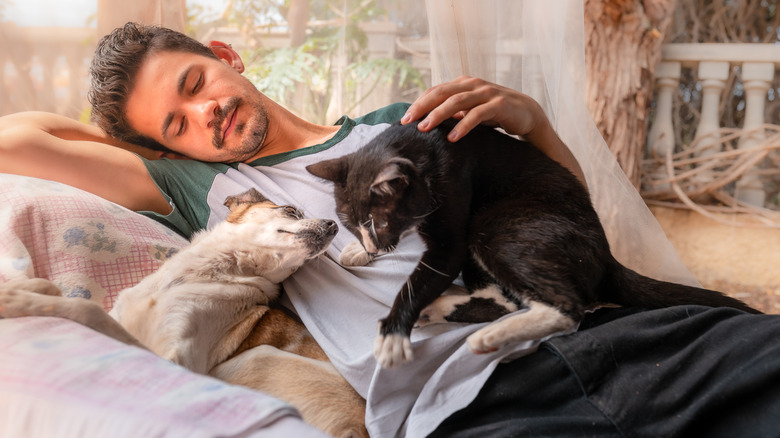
(393,178)
(333,170)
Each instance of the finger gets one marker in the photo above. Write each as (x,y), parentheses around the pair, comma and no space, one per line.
(433,97)
(463,103)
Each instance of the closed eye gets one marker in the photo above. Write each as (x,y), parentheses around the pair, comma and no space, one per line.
(181,126)
(198,83)
(284,231)
(292,212)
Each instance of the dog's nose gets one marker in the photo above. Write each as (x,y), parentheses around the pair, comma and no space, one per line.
(331,226)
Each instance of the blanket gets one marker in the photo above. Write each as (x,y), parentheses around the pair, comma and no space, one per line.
(60,379)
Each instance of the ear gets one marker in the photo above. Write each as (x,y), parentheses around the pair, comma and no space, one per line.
(393,178)
(227,55)
(332,170)
(251,196)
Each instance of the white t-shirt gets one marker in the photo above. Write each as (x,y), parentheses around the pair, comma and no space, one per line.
(341,306)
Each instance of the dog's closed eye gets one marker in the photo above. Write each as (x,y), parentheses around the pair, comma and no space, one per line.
(292,212)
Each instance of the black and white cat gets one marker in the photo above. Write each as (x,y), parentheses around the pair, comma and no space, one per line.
(519,226)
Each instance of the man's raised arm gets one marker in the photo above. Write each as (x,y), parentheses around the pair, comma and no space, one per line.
(54,147)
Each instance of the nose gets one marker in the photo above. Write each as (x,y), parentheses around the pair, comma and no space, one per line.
(204,113)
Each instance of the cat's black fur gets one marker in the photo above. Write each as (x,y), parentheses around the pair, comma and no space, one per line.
(489,201)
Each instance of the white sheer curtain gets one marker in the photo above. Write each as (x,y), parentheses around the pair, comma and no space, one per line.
(537,47)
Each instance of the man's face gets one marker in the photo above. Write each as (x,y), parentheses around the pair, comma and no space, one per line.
(197,106)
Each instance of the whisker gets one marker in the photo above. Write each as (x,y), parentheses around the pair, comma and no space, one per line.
(373,229)
(427,214)
(434,270)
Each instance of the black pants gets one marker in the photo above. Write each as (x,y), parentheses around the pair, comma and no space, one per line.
(677,372)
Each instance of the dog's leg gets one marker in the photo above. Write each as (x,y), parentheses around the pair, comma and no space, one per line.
(315,388)
(39,297)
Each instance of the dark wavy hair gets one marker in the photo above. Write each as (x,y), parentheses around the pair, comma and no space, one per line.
(113,71)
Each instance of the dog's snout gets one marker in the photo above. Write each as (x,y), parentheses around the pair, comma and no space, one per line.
(330,226)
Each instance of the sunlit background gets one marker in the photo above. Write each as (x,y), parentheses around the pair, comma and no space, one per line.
(330,59)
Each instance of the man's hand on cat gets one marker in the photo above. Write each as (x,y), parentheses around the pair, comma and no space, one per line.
(475,101)
(354,255)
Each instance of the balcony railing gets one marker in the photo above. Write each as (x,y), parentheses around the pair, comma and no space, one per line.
(712,167)
(44,69)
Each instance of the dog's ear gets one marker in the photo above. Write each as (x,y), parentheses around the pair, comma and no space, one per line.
(251,196)
(332,170)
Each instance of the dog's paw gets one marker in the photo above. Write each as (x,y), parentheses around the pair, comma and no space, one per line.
(486,340)
(393,350)
(15,303)
(38,285)
(354,255)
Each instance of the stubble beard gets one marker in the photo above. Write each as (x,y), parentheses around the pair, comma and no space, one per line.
(256,128)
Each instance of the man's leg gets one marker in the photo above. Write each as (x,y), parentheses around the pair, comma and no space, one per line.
(682,371)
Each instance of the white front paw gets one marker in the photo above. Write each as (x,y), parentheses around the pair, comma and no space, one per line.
(393,350)
(354,255)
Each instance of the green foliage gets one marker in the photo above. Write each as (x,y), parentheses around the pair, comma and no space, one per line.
(333,59)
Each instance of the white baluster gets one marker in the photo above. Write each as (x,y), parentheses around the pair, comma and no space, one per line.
(713,76)
(660,139)
(756,79)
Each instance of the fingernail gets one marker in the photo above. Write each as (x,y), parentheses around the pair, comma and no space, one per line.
(406,118)
(452,136)
(424,124)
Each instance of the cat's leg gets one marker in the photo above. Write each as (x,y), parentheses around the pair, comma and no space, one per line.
(545,259)
(483,305)
(539,321)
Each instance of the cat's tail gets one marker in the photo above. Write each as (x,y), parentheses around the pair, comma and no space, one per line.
(628,288)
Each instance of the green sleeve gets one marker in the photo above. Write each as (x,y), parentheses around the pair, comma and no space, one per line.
(185,184)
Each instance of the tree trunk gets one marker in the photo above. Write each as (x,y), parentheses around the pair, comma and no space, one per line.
(622,49)
(297,18)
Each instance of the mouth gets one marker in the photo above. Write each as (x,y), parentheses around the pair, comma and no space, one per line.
(230,124)
(226,122)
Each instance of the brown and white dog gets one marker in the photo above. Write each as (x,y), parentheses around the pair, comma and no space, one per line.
(206,308)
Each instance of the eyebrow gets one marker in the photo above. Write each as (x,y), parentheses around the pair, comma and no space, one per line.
(179,89)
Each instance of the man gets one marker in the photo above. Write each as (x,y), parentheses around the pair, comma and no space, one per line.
(680,371)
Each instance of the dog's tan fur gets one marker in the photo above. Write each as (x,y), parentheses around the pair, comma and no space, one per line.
(207,308)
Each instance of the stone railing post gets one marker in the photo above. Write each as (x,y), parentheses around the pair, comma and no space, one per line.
(713,76)
(756,79)
(660,138)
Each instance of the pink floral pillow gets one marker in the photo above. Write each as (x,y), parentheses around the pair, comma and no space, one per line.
(89,247)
